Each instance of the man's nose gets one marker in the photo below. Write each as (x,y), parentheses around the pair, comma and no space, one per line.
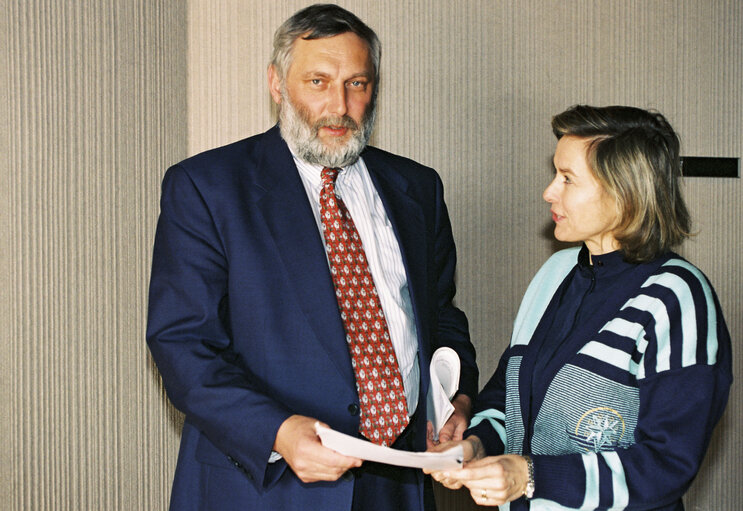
(337,102)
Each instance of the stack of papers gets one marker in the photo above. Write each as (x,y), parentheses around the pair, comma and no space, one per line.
(445,368)
(358,448)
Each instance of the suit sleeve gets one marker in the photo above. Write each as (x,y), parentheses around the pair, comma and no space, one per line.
(188,336)
(453,330)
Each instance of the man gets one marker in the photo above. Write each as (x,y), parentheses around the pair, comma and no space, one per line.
(250,319)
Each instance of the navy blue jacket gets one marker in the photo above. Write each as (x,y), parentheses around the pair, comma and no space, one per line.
(244,325)
(613,382)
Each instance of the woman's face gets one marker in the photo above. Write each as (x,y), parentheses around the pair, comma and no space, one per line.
(581,210)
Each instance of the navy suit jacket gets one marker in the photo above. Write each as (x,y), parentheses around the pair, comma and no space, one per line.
(244,325)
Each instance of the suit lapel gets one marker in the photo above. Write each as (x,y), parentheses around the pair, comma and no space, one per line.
(406,216)
(289,218)
(283,202)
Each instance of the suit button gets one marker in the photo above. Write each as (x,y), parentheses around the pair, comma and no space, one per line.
(347,475)
(353,409)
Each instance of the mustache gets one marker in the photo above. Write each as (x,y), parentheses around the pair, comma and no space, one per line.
(335,121)
(302,133)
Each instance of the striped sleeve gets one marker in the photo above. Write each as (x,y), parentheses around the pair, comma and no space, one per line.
(678,310)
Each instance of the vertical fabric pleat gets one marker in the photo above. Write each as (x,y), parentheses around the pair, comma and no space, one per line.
(95,110)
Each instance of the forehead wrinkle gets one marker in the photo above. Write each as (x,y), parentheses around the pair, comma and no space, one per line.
(317,55)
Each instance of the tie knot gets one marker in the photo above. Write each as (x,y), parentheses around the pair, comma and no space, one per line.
(329,175)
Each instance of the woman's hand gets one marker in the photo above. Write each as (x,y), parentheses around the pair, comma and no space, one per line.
(472,449)
(492,481)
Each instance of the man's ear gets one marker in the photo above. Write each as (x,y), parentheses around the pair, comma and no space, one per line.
(274,84)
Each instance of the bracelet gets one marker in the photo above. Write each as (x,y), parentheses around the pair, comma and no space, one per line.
(529,489)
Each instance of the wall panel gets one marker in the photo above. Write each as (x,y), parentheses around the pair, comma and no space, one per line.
(94,96)
(468,87)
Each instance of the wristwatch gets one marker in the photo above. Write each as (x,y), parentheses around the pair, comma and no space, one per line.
(529,490)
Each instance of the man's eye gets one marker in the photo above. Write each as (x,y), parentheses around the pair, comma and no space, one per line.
(357,84)
(316,81)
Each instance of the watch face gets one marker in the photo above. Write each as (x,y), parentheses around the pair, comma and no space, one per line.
(529,490)
(529,493)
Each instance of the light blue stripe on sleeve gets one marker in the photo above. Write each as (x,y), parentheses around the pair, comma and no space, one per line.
(711,310)
(493,416)
(618,480)
(688,317)
(624,328)
(613,356)
(657,308)
(591,464)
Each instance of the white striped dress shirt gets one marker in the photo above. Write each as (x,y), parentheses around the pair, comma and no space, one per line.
(354,186)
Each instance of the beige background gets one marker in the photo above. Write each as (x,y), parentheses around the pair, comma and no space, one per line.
(97,98)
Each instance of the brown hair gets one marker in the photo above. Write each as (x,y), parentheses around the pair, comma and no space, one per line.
(634,154)
(316,22)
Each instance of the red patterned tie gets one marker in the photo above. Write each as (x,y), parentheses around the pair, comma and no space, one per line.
(384,412)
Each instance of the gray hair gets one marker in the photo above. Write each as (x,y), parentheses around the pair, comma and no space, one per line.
(634,154)
(316,22)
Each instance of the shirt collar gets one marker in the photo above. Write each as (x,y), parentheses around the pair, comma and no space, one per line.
(313,173)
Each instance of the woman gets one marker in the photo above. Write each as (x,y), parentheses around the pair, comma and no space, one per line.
(619,364)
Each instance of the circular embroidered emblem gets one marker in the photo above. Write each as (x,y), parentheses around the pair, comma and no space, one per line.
(599,429)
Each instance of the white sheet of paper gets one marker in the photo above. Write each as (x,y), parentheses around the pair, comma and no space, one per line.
(445,369)
(358,448)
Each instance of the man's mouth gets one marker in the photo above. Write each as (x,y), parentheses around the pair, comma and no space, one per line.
(336,131)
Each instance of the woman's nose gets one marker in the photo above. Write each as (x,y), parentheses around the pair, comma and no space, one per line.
(549,193)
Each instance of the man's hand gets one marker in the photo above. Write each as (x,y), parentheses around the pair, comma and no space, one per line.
(301,448)
(457,423)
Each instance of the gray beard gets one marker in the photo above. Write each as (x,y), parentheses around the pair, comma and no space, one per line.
(301,136)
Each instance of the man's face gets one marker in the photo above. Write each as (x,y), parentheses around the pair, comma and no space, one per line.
(326,99)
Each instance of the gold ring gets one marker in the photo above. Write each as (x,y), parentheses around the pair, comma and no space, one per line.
(485,494)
